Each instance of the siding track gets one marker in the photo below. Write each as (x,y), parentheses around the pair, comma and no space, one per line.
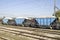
(30,33)
(3,38)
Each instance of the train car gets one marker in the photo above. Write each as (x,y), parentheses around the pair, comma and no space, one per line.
(19,21)
(56,23)
(5,20)
(44,22)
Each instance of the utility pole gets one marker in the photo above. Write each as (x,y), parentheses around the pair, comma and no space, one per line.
(54,7)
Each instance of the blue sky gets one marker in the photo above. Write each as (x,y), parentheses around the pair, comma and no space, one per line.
(27,8)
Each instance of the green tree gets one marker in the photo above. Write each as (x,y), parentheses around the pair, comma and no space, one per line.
(57,14)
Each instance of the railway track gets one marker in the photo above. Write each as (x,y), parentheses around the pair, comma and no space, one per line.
(29,33)
(39,30)
(42,30)
(21,33)
(3,38)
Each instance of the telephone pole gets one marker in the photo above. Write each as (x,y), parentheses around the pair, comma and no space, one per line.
(54,7)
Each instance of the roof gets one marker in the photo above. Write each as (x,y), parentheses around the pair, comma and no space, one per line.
(46,17)
(21,17)
(8,18)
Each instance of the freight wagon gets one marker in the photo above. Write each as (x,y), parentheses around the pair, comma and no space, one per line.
(5,20)
(45,22)
(25,21)
(56,23)
(19,21)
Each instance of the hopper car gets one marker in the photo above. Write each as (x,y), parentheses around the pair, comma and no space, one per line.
(19,21)
(5,20)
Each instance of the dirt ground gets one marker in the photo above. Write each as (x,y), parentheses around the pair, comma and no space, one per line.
(45,32)
(10,36)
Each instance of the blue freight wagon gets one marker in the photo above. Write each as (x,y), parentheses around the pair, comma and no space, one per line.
(5,20)
(19,21)
(44,22)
